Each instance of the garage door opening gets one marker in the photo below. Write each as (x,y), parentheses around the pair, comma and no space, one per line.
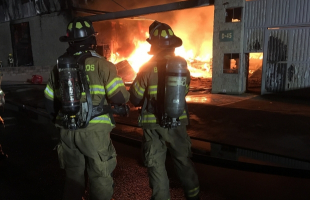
(254,79)
(123,42)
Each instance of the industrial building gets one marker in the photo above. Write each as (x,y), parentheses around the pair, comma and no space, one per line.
(276,29)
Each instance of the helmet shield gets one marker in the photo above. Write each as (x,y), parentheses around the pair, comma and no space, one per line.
(161,35)
(78,29)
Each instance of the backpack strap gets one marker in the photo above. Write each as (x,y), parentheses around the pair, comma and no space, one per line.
(85,86)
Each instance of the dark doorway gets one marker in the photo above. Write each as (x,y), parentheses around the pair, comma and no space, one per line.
(21,43)
(254,82)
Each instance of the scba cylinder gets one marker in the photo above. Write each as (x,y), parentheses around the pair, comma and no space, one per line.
(69,84)
(176,79)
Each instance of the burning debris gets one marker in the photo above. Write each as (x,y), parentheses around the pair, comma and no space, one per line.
(1,120)
(125,71)
(127,39)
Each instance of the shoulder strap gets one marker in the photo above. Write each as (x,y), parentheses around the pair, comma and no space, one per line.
(85,86)
(161,67)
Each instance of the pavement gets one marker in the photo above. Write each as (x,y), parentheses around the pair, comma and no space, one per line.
(269,130)
(238,127)
(32,171)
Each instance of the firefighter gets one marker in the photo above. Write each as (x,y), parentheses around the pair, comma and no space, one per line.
(90,147)
(158,137)
(11,60)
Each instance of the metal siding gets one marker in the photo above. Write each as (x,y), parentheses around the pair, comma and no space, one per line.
(279,12)
(254,16)
(254,37)
(300,76)
(276,61)
(301,12)
(286,50)
(255,13)
(301,45)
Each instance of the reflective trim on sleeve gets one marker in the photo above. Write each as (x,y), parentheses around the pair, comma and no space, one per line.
(113,85)
(49,92)
(139,90)
(152,89)
(96,89)
(149,118)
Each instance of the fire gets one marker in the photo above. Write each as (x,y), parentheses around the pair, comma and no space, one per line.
(255,62)
(198,65)
(1,120)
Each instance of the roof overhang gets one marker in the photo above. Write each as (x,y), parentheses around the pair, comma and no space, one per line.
(150,10)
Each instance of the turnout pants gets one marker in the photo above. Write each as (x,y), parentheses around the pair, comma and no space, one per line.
(155,144)
(93,151)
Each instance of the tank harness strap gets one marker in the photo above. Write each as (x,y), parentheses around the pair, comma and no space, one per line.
(85,86)
(142,110)
(160,107)
(103,109)
(187,113)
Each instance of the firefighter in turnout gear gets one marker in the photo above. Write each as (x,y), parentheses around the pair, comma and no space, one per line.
(161,85)
(86,145)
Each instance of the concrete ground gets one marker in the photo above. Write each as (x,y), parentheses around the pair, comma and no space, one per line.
(247,128)
(275,124)
(31,170)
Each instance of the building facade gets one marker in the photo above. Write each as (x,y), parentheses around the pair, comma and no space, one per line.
(279,29)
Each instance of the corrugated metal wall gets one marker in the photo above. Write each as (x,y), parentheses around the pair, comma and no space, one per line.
(279,12)
(277,56)
(16,9)
(255,22)
(276,28)
(300,13)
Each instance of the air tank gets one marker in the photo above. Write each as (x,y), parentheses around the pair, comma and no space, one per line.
(69,84)
(176,79)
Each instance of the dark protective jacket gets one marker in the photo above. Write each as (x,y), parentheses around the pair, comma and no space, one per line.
(103,83)
(144,89)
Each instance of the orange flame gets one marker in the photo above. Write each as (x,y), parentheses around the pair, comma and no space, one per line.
(198,65)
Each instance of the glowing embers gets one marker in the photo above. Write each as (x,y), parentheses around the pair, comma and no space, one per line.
(197,99)
(1,120)
(231,63)
(233,14)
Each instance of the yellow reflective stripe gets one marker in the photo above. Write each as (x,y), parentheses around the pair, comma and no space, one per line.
(149,118)
(183,116)
(152,89)
(102,119)
(187,88)
(49,92)
(139,90)
(194,192)
(96,89)
(114,84)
